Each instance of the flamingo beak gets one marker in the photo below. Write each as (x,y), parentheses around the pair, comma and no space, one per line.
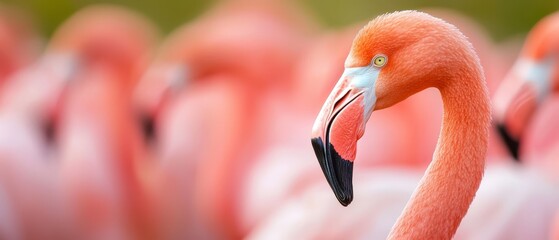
(339,125)
(517,99)
(159,84)
(512,114)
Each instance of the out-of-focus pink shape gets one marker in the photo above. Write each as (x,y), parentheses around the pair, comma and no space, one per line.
(246,51)
(73,110)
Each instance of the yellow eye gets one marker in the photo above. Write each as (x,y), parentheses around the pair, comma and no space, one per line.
(379,61)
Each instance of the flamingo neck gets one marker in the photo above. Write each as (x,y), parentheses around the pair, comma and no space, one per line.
(448,187)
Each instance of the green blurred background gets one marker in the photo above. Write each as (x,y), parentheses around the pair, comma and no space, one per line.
(501,18)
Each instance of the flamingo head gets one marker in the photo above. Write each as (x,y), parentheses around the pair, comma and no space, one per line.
(531,80)
(161,83)
(107,35)
(391,58)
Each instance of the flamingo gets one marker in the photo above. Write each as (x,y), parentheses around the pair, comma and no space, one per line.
(201,56)
(209,46)
(385,193)
(383,148)
(25,149)
(113,55)
(385,66)
(529,83)
(527,103)
(392,131)
(96,144)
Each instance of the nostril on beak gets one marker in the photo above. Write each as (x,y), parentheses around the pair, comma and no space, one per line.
(341,100)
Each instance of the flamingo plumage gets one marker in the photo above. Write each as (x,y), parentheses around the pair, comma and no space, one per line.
(383,68)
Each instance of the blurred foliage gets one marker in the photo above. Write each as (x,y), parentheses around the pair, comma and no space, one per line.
(48,14)
(502,18)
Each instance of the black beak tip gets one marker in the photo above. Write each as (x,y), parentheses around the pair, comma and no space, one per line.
(147,124)
(338,171)
(345,200)
(511,142)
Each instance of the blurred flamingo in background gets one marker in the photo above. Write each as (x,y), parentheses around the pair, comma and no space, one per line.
(97,145)
(26,172)
(117,43)
(527,105)
(532,85)
(221,51)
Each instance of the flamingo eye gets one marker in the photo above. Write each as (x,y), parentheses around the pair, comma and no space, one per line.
(379,60)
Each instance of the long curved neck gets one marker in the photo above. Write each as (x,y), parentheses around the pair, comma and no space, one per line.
(448,187)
